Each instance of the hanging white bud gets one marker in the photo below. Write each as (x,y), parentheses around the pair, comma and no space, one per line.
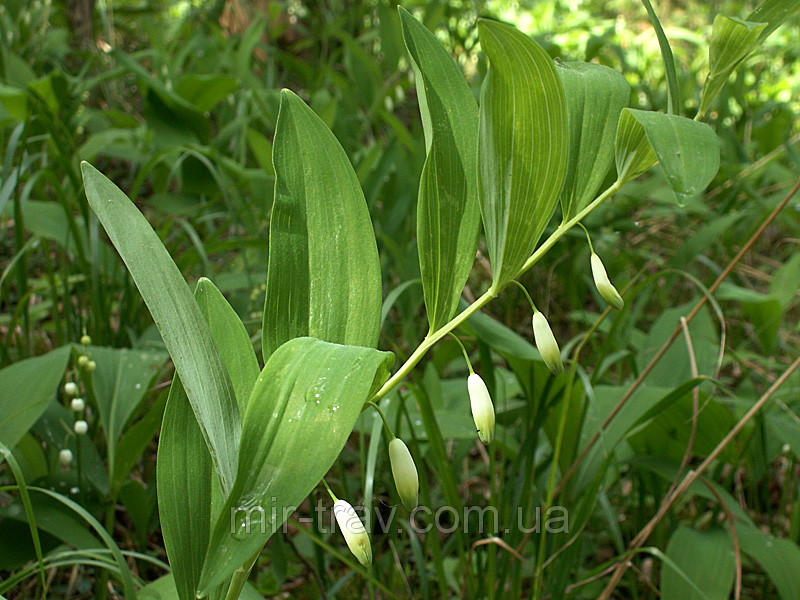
(77,404)
(83,360)
(86,340)
(65,458)
(71,388)
(81,427)
(546,343)
(404,471)
(353,530)
(91,366)
(604,285)
(482,408)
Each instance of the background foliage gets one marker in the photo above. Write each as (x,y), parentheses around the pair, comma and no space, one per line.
(177,103)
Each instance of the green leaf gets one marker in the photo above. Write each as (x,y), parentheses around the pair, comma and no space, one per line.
(163,588)
(39,377)
(705,558)
(204,92)
(523,146)
(448,213)
(595,98)
(673,103)
(301,411)
(121,380)
(687,150)
(135,440)
(323,278)
(773,13)
(231,339)
(732,40)
(780,558)
(188,493)
(177,316)
(184,479)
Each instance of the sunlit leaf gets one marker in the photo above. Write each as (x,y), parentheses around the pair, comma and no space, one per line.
(595,97)
(301,411)
(177,316)
(323,278)
(687,150)
(732,40)
(523,146)
(448,214)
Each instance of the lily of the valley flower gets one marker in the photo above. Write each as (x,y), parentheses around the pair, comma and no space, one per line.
(71,388)
(482,407)
(353,530)
(65,457)
(546,343)
(81,427)
(86,340)
(404,472)
(77,404)
(604,285)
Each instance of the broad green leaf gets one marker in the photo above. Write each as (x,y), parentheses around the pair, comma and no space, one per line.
(448,213)
(676,363)
(732,40)
(523,146)
(780,559)
(188,492)
(323,278)
(184,480)
(135,440)
(773,13)
(121,380)
(177,316)
(39,378)
(687,150)
(705,558)
(163,588)
(301,411)
(595,98)
(204,92)
(231,338)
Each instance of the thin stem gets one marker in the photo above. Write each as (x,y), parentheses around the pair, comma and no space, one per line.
(330,491)
(588,239)
(490,294)
(464,351)
(527,295)
(392,436)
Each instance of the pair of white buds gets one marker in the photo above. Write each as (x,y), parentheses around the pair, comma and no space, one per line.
(406,479)
(479,398)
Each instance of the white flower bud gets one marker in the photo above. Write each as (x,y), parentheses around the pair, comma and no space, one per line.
(83,360)
(77,404)
(85,340)
(71,388)
(404,472)
(603,284)
(91,366)
(81,427)
(65,458)
(353,530)
(546,343)
(482,408)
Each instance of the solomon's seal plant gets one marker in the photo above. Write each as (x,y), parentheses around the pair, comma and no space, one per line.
(238,430)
